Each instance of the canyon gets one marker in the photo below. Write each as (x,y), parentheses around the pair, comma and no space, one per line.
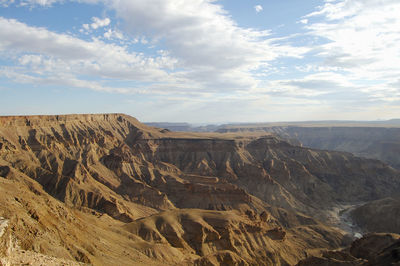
(106,189)
(375,140)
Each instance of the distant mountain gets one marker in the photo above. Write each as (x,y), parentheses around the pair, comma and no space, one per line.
(183,127)
(171,126)
(323,123)
(257,126)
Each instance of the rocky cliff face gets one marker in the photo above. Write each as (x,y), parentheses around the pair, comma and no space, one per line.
(381,215)
(276,172)
(174,197)
(382,143)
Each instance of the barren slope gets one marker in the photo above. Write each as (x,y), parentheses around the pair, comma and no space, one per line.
(172,197)
(379,216)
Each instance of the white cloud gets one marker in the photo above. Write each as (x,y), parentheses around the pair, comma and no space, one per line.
(212,51)
(99,23)
(366,39)
(304,21)
(203,37)
(42,2)
(312,85)
(258,8)
(197,31)
(7,3)
(362,40)
(114,34)
(42,54)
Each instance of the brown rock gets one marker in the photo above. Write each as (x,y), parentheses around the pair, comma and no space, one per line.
(107,189)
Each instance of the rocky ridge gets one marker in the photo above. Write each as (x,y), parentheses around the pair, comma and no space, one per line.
(373,140)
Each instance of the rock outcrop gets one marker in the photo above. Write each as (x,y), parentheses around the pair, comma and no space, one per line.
(379,216)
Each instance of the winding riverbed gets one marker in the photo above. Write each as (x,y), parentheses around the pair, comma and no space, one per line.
(339,216)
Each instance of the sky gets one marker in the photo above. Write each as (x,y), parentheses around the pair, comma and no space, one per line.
(202,61)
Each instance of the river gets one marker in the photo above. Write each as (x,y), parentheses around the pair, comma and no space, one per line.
(339,216)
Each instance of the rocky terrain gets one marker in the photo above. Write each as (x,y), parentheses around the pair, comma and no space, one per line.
(371,140)
(372,249)
(379,216)
(106,189)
